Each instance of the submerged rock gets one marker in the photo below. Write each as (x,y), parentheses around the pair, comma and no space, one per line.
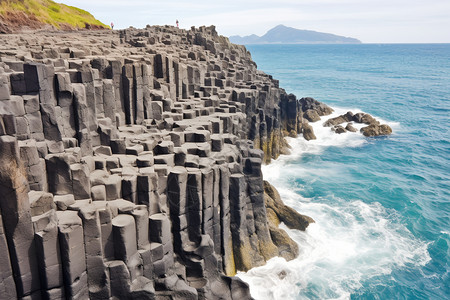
(376,130)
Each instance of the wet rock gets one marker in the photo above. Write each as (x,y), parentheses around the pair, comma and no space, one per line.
(376,130)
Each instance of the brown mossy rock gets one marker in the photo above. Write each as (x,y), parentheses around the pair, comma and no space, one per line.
(292,134)
(285,214)
(311,115)
(284,147)
(308,132)
(272,217)
(287,247)
(376,130)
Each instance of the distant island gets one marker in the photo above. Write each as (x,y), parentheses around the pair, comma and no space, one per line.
(287,35)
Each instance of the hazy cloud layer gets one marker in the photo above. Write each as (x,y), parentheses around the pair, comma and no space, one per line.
(372,21)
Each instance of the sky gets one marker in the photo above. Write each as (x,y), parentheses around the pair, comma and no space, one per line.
(371,21)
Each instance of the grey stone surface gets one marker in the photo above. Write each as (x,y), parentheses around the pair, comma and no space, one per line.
(145,143)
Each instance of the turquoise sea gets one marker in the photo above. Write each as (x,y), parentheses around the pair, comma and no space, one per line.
(381,205)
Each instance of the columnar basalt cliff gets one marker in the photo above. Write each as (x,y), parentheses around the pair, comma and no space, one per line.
(130,165)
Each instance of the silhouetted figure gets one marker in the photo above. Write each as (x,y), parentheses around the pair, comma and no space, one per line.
(112,25)
(177,24)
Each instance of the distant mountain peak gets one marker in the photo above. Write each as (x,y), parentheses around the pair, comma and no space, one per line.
(281,26)
(282,34)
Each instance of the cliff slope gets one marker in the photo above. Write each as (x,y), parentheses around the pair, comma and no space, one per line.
(19,15)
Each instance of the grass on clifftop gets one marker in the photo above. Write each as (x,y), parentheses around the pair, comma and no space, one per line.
(50,12)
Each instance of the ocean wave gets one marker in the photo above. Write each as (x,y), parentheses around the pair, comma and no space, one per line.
(351,241)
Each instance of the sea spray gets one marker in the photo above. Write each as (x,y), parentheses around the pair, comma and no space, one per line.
(351,241)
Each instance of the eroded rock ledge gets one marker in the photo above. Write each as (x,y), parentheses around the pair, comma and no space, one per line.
(130,165)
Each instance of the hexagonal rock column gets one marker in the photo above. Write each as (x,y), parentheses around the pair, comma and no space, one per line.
(16,215)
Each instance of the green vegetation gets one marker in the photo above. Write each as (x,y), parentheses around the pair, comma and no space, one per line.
(50,12)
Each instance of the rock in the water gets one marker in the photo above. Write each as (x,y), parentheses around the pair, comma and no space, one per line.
(311,115)
(334,121)
(350,128)
(339,129)
(310,103)
(364,118)
(376,130)
(308,132)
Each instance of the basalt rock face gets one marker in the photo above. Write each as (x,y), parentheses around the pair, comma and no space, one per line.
(130,164)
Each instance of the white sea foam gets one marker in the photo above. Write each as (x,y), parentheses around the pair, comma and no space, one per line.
(350,242)
(325,138)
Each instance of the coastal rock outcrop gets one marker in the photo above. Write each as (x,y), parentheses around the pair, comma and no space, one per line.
(374,128)
(130,164)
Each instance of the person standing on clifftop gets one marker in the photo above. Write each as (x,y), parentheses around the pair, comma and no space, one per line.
(112,26)
(177,24)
